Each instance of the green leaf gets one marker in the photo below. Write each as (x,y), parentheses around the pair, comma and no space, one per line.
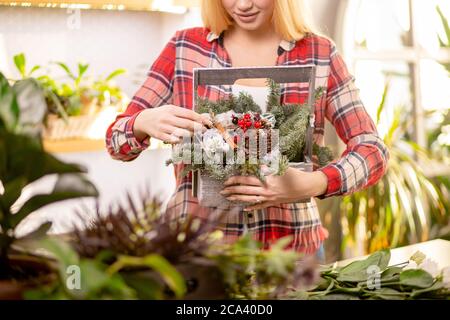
(60,193)
(445,25)
(82,68)
(335,296)
(20,149)
(13,190)
(169,273)
(146,287)
(416,278)
(66,69)
(20,62)
(115,74)
(391,273)
(9,108)
(388,294)
(34,69)
(438,285)
(39,233)
(61,251)
(32,104)
(358,270)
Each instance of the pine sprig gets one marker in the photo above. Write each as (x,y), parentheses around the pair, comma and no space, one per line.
(292,120)
(274,98)
(324,154)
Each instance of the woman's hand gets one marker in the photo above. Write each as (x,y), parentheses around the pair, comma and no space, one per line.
(293,186)
(169,123)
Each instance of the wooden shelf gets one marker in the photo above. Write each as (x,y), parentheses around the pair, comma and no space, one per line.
(74,145)
(140,5)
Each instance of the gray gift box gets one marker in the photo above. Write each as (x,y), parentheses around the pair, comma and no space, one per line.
(207,189)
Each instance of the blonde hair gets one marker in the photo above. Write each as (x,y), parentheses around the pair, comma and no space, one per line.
(291,19)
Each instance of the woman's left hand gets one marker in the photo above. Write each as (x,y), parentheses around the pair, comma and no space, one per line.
(295,185)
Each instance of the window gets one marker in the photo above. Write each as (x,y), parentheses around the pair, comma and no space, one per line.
(397,41)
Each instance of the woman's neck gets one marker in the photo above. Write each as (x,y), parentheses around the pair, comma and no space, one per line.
(261,36)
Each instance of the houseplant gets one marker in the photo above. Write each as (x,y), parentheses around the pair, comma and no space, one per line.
(138,252)
(406,206)
(84,99)
(22,162)
(75,104)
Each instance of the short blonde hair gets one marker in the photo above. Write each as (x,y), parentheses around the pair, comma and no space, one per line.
(291,19)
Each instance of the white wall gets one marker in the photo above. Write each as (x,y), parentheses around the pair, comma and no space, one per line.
(105,39)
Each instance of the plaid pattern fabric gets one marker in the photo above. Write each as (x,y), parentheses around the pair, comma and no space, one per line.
(362,164)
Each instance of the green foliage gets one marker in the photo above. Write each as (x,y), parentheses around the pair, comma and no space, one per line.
(45,82)
(241,104)
(406,206)
(373,278)
(324,154)
(293,134)
(78,96)
(252,273)
(445,43)
(106,92)
(21,65)
(23,161)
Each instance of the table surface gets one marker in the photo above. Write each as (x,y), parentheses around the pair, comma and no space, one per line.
(436,250)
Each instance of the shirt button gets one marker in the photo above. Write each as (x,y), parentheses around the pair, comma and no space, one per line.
(250,215)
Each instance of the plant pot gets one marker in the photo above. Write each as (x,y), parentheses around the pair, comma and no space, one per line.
(40,269)
(208,189)
(75,127)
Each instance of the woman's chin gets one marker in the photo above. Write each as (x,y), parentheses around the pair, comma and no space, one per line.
(252,26)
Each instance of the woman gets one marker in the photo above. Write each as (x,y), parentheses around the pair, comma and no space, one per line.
(256,33)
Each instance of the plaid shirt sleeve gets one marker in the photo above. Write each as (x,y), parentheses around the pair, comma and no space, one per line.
(365,158)
(156,91)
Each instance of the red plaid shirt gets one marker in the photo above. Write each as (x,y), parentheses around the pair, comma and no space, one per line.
(362,164)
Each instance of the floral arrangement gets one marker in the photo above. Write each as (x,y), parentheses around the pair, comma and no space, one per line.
(246,141)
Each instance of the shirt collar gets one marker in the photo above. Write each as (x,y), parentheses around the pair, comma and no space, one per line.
(284,44)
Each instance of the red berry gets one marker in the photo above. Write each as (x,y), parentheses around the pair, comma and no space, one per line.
(247,116)
(258,124)
(241,123)
(248,123)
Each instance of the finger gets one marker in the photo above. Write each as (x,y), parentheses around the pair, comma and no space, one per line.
(184,123)
(167,138)
(207,119)
(192,115)
(246,190)
(248,199)
(245,180)
(174,131)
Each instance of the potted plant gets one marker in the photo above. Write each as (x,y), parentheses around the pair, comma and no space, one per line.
(406,206)
(83,99)
(22,162)
(140,252)
(74,106)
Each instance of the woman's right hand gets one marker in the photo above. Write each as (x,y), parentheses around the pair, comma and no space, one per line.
(169,123)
